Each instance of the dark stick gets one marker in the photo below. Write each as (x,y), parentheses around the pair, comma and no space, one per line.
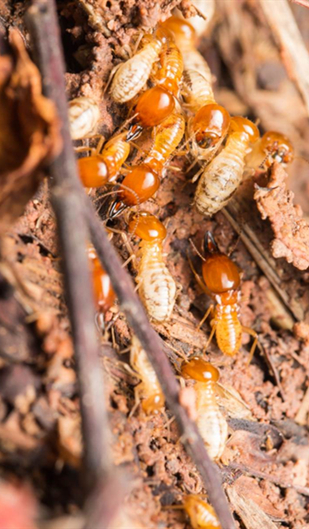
(66,196)
(136,316)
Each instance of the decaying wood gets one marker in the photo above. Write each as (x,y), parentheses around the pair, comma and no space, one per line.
(291,230)
(250,513)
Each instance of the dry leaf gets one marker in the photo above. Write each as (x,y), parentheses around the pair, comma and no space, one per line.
(250,513)
(29,130)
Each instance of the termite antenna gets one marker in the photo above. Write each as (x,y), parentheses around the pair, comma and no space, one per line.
(196,250)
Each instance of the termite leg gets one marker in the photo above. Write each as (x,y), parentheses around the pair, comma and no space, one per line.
(137,400)
(255,344)
(213,330)
(197,175)
(208,311)
(198,279)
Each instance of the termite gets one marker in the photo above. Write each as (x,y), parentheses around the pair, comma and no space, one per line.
(221,178)
(169,74)
(99,168)
(210,421)
(156,286)
(84,115)
(142,181)
(149,391)
(185,39)
(132,75)
(104,294)
(209,123)
(221,282)
(201,514)
(272,147)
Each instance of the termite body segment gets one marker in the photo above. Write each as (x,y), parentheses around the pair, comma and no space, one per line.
(272,147)
(157,287)
(104,294)
(149,391)
(185,39)
(84,115)
(198,91)
(98,169)
(223,175)
(167,137)
(201,514)
(210,421)
(169,74)
(132,75)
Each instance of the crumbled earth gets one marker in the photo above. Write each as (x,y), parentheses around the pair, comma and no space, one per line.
(291,230)
(267,456)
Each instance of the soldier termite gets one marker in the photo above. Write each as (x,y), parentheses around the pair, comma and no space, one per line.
(272,147)
(102,167)
(156,286)
(221,281)
(149,391)
(84,115)
(210,421)
(142,181)
(132,75)
(222,176)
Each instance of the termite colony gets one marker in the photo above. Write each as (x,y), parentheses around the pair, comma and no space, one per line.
(168,88)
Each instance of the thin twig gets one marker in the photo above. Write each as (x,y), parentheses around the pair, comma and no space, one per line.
(136,316)
(66,193)
(269,477)
(294,51)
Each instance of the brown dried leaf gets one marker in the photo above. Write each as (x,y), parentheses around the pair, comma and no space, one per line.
(250,513)
(275,202)
(29,130)
(249,487)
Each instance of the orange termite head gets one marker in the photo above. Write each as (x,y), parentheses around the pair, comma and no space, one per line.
(146,226)
(219,272)
(153,106)
(93,171)
(199,370)
(248,129)
(180,28)
(153,404)
(210,125)
(278,146)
